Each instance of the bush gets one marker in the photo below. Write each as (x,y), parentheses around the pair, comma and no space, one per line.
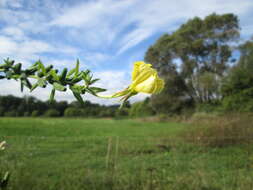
(52,113)
(1,111)
(121,113)
(107,113)
(141,109)
(73,112)
(35,113)
(239,102)
(26,114)
(221,131)
(208,107)
(10,114)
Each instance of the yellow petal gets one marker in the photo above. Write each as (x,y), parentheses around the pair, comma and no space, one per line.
(146,86)
(136,69)
(143,75)
(151,85)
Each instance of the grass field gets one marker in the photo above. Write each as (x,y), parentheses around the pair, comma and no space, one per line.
(66,154)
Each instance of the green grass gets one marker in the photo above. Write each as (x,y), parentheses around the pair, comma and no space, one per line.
(66,154)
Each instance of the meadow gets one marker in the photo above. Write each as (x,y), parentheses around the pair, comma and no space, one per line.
(75,154)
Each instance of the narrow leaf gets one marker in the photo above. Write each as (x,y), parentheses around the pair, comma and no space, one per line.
(59,87)
(77,68)
(52,94)
(78,97)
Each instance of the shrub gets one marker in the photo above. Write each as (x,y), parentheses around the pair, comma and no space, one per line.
(26,114)
(221,131)
(242,101)
(121,113)
(73,112)
(1,111)
(35,113)
(10,114)
(52,113)
(140,109)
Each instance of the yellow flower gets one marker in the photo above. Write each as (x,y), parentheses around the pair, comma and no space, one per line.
(144,80)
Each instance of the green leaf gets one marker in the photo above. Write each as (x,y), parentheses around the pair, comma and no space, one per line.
(21,86)
(77,88)
(52,94)
(17,68)
(96,90)
(71,72)
(42,67)
(42,83)
(54,75)
(48,68)
(76,80)
(34,86)
(27,83)
(77,68)
(94,80)
(59,87)
(63,74)
(78,97)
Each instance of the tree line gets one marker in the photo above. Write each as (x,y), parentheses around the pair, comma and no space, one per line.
(11,106)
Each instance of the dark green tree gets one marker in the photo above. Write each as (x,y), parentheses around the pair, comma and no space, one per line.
(237,88)
(198,53)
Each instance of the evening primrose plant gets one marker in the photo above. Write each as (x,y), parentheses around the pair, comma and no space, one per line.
(144,79)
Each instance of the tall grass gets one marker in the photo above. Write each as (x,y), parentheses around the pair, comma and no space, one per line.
(76,154)
(221,131)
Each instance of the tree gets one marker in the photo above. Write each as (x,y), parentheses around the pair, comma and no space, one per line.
(198,53)
(237,89)
(73,112)
(141,109)
(52,113)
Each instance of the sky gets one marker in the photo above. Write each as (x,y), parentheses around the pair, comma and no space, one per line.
(108,36)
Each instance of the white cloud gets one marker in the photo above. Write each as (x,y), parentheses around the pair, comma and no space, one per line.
(7,45)
(134,38)
(13,32)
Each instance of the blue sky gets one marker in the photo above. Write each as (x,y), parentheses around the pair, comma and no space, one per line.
(106,35)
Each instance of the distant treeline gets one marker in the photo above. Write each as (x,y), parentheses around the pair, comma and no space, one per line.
(29,106)
(11,106)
